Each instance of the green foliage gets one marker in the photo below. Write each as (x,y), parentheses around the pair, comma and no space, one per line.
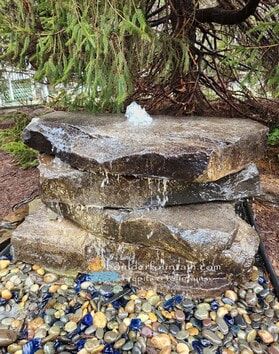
(10,141)
(95,49)
(273,138)
(254,57)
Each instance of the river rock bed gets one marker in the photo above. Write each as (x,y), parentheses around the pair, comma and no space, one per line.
(42,312)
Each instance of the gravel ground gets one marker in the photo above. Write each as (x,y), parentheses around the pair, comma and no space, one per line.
(41,312)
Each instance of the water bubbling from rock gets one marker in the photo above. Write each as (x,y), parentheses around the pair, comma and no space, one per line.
(137,115)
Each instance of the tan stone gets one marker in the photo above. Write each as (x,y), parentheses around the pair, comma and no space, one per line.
(100,320)
(4,263)
(182,348)
(160,341)
(265,336)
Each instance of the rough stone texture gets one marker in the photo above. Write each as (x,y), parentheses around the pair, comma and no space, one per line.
(60,182)
(45,239)
(228,250)
(203,149)
(194,232)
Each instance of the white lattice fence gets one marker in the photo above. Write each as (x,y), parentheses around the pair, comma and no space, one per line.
(19,88)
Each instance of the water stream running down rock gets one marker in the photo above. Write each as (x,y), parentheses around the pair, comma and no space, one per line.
(145,200)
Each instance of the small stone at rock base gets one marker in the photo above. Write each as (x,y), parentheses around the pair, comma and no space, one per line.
(40,271)
(6,294)
(111,336)
(251,336)
(35,323)
(193,331)
(222,311)
(227,351)
(212,337)
(50,278)
(265,336)
(130,306)
(160,341)
(181,335)
(146,331)
(83,351)
(119,343)
(256,347)
(274,349)
(70,326)
(7,337)
(231,295)
(128,346)
(100,320)
(179,315)
(4,263)
(91,344)
(166,350)
(182,348)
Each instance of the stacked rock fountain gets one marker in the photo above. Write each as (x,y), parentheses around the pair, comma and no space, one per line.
(145,200)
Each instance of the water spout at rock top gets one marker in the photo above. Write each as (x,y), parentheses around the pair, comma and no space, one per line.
(137,115)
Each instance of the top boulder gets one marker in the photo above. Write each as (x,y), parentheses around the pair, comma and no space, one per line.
(189,148)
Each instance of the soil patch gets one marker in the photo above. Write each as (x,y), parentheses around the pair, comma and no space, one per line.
(266,207)
(17,184)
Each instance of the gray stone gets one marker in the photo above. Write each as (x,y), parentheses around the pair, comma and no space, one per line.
(167,249)
(193,231)
(222,325)
(188,148)
(7,337)
(60,182)
(211,336)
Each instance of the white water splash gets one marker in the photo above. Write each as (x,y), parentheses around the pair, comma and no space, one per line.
(105,181)
(137,115)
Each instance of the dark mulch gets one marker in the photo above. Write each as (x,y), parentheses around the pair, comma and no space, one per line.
(267,220)
(16,184)
(266,208)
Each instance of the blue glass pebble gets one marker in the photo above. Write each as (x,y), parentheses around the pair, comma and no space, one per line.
(229,320)
(175,300)
(32,346)
(110,350)
(23,333)
(178,299)
(76,331)
(235,329)
(205,342)
(197,346)
(56,343)
(87,320)
(261,280)
(15,294)
(119,303)
(3,301)
(136,324)
(214,305)
(80,344)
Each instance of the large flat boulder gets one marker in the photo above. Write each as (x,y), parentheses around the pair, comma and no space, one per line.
(61,182)
(145,261)
(195,232)
(188,148)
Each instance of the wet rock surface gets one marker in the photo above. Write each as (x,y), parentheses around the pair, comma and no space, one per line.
(132,188)
(60,182)
(203,149)
(78,315)
(171,250)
